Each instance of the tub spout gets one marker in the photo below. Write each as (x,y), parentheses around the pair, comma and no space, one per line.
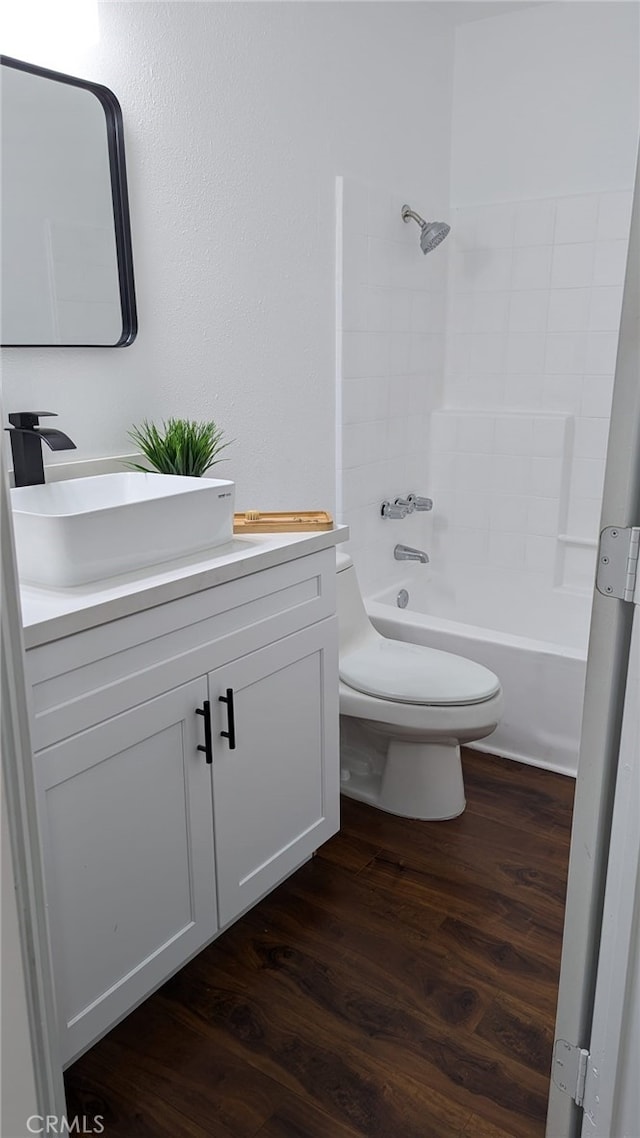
(406,553)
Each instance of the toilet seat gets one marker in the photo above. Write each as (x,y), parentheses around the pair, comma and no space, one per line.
(401,672)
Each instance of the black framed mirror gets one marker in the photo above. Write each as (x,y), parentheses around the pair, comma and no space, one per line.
(65,254)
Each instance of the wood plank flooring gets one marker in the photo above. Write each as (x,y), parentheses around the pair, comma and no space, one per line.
(402,984)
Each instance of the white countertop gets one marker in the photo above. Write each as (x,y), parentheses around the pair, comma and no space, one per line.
(49,614)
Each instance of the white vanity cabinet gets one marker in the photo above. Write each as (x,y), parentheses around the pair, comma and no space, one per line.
(270,792)
(148,848)
(125,817)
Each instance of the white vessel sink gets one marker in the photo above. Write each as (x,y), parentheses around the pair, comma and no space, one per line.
(84,529)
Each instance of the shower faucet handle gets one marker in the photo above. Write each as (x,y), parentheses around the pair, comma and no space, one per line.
(393,510)
(417,503)
(407,503)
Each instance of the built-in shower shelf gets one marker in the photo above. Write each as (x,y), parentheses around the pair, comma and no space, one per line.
(585,542)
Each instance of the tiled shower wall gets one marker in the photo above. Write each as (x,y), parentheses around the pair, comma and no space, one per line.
(517,454)
(497,479)
(391,352)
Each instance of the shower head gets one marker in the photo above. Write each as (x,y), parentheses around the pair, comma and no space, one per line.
(431,232)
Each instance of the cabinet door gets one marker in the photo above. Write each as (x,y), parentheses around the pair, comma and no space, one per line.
(276,795)
(127,839)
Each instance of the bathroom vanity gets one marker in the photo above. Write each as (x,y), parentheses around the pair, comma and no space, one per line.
(185,730)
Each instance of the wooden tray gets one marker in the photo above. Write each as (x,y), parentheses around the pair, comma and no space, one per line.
(254,521)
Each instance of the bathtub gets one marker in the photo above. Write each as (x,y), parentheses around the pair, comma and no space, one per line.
(538,649)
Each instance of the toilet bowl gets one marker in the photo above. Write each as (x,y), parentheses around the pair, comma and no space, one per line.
(404,711)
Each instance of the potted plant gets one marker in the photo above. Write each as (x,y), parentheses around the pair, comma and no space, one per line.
(179,446)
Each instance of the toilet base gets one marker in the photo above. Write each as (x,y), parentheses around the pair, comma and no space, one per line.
(423,780)
(415,780)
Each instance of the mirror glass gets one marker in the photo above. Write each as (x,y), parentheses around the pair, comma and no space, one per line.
(66,264)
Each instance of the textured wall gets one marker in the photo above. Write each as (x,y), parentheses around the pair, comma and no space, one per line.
(238,118)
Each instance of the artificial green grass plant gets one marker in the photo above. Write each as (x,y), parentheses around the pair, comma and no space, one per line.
(181,446)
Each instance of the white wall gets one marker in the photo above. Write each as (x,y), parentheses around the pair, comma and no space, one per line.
(544,140)
(545,102)
(238,118)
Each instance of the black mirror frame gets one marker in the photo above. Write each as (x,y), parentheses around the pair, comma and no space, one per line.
(119,197)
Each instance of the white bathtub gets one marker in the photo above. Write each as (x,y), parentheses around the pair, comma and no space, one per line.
(538,650)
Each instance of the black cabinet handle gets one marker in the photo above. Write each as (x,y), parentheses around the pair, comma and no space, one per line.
(205,711)
(231,719)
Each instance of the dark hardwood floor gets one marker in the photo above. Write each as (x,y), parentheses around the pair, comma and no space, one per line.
(402,984)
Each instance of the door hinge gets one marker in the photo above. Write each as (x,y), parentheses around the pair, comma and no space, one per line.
(569,1069)
(617,569)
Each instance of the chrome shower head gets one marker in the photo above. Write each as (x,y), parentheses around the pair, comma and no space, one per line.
(432,233)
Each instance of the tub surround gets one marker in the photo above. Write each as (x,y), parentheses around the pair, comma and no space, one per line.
(512,446)
(506,422)
(185,735)
(391,321)
(518,450)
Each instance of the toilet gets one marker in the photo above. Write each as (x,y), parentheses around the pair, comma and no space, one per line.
(404,711)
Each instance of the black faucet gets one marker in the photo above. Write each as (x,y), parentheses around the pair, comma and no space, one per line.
(26,445)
